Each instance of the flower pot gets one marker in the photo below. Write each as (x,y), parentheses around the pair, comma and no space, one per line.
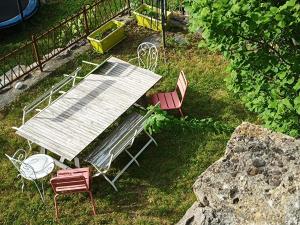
(147,21)
(107,36)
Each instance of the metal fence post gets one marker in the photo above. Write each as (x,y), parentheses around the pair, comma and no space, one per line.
(20,10)
(128,7)
(86,24)
(36,53)
(163,21)
(182,7)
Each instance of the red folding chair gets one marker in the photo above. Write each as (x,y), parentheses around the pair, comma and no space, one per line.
(72,181)
(172,100)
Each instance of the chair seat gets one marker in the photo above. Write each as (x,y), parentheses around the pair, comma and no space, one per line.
(168,100)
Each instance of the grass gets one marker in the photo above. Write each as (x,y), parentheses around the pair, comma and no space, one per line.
(158,192)
(47,16)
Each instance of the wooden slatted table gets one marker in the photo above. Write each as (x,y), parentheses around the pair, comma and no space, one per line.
(73,121)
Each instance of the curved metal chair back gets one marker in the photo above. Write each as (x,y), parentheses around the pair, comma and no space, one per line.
(147,56)
(18,157)
(26,171)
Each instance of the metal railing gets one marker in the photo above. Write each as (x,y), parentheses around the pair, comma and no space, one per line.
(44,47)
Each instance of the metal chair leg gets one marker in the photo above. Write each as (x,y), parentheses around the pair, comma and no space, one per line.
(42,181)
(23,184)
(42,197)
(29,144)
(151,138)
(93,203)
(180,111)
(109,181)
(56,207)
(131,156)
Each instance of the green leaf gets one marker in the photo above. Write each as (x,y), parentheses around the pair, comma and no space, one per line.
(279,17)
(282,74)
(205,12)
(297,85)
(236,8)
(287,103)
(297,104)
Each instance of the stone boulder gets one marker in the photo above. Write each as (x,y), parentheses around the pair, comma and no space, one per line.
(256,182)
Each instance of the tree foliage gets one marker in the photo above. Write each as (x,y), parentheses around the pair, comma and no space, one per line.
(261,39)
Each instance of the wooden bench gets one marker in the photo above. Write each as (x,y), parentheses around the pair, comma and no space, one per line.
(118,141)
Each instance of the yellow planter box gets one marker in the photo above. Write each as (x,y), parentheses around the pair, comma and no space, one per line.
(146,21)
(103,44)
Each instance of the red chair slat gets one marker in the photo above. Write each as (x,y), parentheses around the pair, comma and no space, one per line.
(182,84)
(169,100)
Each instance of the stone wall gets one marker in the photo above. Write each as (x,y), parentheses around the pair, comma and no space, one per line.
(256,182)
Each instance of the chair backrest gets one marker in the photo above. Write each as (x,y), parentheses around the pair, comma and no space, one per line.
(18,157)
(69,184)
(147,56)
(182,85)
(24,169)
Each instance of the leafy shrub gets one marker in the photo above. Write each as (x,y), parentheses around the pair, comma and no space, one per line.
(157,121)
(261,39)
(160,120)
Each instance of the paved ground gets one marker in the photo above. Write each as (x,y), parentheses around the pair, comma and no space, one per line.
(9,96)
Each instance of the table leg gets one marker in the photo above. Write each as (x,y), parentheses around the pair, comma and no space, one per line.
(76,161)
(43,150)
(62,159)
(60,163)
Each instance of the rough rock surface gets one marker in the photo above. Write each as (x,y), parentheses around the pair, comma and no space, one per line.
(256,182)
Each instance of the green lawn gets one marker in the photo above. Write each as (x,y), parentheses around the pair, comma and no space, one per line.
(46,17)
(160,191)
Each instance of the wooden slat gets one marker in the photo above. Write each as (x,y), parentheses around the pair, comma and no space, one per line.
(43,141)
(182,84)
(73,121)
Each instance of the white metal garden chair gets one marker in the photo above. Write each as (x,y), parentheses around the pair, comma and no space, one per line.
(26,171)
(147,56)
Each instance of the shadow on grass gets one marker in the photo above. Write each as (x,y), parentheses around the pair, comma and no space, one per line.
(174,165)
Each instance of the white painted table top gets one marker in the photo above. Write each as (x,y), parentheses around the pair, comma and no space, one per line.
(37,166)
(74,120)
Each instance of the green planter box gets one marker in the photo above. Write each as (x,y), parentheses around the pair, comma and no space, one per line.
(146,21)
(102,42)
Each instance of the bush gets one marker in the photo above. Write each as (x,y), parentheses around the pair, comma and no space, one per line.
(261,39)
(161,120)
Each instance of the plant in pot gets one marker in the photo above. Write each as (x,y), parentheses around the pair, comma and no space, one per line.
(150,17)
(107,36)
